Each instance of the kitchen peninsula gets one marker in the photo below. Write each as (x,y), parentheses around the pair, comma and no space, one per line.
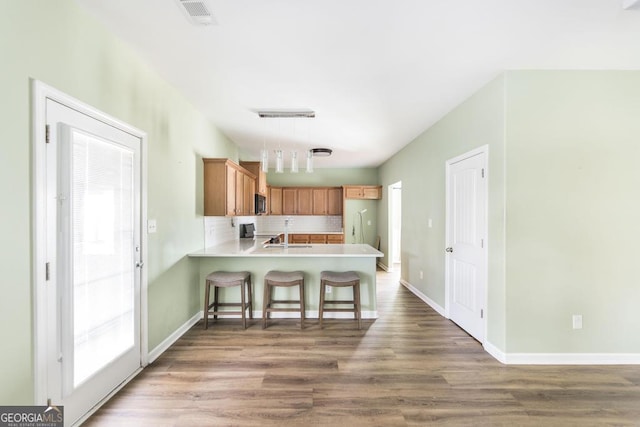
(258,258)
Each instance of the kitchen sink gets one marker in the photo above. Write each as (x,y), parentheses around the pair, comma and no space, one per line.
(281,245)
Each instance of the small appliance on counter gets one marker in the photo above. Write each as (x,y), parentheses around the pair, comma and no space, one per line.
(247,231)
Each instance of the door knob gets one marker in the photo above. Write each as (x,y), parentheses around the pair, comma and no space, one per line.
(449,249)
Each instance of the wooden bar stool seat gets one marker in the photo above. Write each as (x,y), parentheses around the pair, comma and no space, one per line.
(276,278)
(340,279)
(227,279)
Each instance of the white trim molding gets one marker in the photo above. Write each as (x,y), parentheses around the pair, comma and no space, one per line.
(175,336)
(437,307)
(572,359)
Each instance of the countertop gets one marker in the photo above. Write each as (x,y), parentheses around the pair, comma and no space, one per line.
(255,248)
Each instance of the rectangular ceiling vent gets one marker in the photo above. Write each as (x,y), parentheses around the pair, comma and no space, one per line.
(196,12)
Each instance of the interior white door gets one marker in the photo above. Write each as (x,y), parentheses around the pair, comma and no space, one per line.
(93,240)
(466,259)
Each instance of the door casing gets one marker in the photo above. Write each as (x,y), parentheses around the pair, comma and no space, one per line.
(40,93)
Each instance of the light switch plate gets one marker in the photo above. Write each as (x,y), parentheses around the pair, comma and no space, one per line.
(152,226)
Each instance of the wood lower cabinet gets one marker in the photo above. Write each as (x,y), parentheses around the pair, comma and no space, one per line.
(228,188)
(335,238)
(316,238)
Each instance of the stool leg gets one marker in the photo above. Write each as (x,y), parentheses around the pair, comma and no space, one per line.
(206,304)
(250,299)
(243,305)
(215,301)
(356,295)
(302,304)
(321,306)
(265,303)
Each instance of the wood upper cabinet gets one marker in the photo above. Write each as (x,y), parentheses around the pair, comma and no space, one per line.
(334,201)
(275,200)
(320,200)
(261,177)
(372,192)
(289,201)
(305,201)
(225,191)
(249,195)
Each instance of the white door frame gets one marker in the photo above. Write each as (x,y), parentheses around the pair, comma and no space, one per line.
(485,230)
(391,222)
(40,93)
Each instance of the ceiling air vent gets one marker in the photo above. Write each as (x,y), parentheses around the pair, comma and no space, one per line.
(197,12)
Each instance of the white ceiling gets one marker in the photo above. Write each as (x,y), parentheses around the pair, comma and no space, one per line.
(376,72)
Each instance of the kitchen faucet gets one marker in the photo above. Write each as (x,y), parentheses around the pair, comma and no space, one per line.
(286,232)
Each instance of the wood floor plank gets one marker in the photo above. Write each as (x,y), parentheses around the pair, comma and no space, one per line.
(409,367)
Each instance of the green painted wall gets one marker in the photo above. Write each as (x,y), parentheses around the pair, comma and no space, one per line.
(323,177)
(562,213)
(421,168)
(573,140)
(56,42)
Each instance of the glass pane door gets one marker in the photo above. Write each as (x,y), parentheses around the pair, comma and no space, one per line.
(103,259)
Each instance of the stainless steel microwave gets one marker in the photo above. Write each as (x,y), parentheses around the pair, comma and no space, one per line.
(261,205)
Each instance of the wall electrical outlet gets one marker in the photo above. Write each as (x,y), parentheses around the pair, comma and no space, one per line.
(327,289)
(152,226)
(421,274)
(577,321)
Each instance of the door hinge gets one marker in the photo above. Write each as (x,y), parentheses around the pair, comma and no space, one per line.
(47,133)
(482,172)
(482,243)
(482,313)
(46,272)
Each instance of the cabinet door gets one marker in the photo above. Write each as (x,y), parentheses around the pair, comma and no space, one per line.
(249,195)
(372,192)
(289,201)
(353,192)
(231,191)
(317,238)
(275,201)
(335,238)
(334,201)
(305,201)
(320,201)
(298,238)
(239,193)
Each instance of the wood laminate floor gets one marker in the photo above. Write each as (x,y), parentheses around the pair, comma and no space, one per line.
(410,367)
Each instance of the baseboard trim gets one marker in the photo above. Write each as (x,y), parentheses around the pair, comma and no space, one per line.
(431,303)
(384,267)
(495,352)
(572,359)
(175,336)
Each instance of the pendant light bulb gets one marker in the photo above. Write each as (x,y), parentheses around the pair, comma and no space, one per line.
(279,162)
(309,161)
(294,162)
(264,160)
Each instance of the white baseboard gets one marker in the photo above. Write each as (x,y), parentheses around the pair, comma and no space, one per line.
(437,307)
(572,359)
(494,351)
(164,345)
(384,267)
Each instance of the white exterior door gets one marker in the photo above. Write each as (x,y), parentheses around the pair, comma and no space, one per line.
(466,259)
(93,223)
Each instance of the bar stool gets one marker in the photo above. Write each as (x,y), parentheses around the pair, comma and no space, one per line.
(340,280)
(284,279)
(227,279)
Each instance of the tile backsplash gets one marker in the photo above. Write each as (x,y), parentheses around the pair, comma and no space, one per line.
(218,229)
